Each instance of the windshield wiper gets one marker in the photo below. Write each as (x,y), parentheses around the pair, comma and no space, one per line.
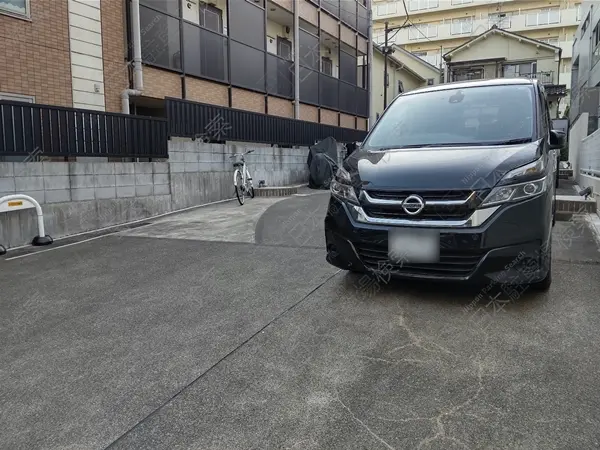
(454,144)
(402,147)
(509,142)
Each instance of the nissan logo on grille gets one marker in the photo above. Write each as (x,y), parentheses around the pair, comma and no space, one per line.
(413,205)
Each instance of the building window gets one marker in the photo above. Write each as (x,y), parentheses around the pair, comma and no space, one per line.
(379,36)
(527,70)
(467,74)
(543,17)
(578,12)
(462,26)
(419,5)
(501,20)
(400,87)
(461,2)
(17,97)
(362,76)
(422,31)
(596,44)
(326,66)
(386,9)
(211,18)
(550,41)
(284,48)
(17,7)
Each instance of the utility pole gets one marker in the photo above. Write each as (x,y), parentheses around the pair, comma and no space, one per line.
(385,66)
(388,50)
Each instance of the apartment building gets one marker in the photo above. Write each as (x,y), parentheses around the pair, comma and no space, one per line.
(436,27)
(241,54)
(585,77)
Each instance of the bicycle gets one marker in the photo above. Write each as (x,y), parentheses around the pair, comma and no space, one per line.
(242,181)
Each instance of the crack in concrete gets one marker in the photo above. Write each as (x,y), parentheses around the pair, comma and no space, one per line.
(394,361)
(417,341)
(364,425)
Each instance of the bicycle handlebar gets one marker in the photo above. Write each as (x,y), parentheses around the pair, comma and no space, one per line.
(240,154)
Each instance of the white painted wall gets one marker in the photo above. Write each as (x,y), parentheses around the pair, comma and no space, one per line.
(275,29)
(577,133)
(85,34)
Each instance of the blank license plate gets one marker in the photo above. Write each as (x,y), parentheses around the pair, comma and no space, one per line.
(414,246)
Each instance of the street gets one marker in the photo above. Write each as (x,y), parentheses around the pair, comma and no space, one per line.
(223,327)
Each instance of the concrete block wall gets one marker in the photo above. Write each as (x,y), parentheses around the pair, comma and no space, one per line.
(88,195)
(82,196)
(202,172)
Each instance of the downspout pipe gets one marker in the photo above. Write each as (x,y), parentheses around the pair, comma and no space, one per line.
(371,120)
(136,36)
(296,59)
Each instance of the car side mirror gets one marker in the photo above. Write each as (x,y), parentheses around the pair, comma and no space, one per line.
(557,139)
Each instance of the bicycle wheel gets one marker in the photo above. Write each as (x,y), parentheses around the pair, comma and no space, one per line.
(251,191)
(239,187)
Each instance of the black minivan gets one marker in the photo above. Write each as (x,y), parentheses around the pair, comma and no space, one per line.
(454,182)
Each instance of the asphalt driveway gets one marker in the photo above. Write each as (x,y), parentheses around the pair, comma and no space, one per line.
(191,333)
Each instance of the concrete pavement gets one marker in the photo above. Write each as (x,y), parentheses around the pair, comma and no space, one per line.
(166,336)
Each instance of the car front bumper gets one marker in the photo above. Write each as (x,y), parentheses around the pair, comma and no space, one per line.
(508,247)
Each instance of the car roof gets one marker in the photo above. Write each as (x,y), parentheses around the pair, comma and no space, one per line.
(476,83)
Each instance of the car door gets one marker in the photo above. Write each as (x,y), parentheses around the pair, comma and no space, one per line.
(545,123)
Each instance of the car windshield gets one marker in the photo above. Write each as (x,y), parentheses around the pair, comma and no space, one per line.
(482,115)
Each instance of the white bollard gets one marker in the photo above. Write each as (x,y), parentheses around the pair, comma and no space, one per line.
(18,202)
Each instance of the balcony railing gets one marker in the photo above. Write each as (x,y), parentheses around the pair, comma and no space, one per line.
(542,77)
(446,31)
(280,76)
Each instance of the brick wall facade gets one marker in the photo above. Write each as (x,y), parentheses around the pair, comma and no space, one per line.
(361,124)
(329,117)
(35,55)
(161,83)
(309,113)
(250,101)
(346,120)
(204,91)
(114,52)
(281,107)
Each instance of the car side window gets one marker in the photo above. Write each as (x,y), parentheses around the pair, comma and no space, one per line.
(545,113)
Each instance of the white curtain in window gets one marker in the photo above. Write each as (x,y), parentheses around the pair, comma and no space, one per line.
(15,6)
(462,26)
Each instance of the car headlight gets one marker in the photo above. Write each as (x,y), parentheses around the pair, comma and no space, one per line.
(515,192)
(341,186)
(519,184)
(529,171)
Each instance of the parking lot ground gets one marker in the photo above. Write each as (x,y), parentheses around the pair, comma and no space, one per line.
(165,336)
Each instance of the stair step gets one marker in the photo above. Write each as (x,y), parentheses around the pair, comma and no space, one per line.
(275,191)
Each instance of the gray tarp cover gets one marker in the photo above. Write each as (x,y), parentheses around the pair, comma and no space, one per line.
(322,163)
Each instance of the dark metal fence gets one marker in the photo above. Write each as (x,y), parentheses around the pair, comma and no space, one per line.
(200,120)
(27,128)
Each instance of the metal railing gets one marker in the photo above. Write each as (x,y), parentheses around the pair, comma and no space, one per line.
(200,120)
(33,129)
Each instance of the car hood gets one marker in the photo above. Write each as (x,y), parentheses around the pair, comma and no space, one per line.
(438,168)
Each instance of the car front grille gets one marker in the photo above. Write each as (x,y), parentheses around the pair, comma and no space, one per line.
(444,208)
(452,263)
(425,195)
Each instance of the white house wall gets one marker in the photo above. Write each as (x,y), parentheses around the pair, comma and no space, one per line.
(85,35)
